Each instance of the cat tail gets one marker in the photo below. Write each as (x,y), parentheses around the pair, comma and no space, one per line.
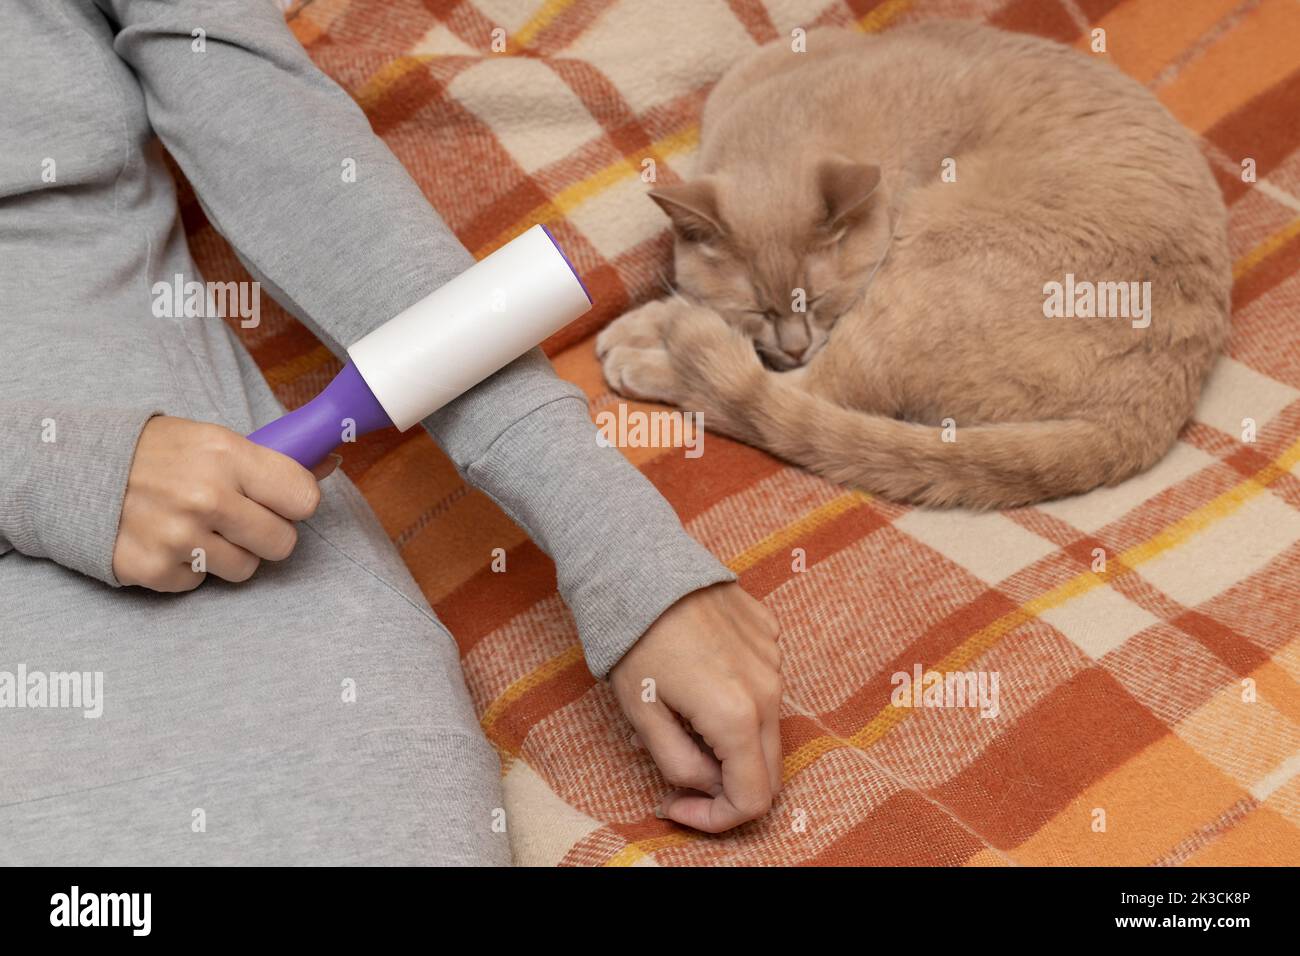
(978,466)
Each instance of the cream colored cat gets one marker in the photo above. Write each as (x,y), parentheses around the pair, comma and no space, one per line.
(878,230)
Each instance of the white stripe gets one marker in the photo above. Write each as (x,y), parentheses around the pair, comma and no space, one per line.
(1268,784)
(1077,15)
(1278,195)
(1275,193)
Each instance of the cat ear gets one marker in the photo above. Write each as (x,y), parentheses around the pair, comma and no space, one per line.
(845,188)
(693,208)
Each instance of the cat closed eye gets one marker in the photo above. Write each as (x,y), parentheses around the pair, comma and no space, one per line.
(773,315)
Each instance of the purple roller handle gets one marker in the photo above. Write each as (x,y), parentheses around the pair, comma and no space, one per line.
(311,432)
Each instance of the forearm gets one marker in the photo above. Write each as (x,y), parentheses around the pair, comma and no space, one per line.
(621,554)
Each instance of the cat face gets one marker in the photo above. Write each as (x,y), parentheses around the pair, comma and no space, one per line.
(779,268)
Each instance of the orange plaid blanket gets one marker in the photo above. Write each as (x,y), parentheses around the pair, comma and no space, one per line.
(1148,711)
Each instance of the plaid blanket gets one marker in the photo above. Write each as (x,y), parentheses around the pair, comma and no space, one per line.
(1148,711)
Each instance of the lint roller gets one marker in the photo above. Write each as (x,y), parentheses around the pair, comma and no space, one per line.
(438,348)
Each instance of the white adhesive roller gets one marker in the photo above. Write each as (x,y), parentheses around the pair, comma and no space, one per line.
(439,348)
(477,323)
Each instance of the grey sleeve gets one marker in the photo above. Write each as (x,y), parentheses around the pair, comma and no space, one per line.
(264,138)
(63,472)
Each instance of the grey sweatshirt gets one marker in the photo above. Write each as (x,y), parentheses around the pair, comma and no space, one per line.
(89,222)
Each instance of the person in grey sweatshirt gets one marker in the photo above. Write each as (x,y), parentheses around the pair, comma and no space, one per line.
(292,709)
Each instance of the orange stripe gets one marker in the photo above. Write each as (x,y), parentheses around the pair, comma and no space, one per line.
(1141,825)
(1246,62)
(283,374)
(1142,38)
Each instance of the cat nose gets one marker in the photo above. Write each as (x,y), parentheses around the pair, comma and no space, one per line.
(796,354)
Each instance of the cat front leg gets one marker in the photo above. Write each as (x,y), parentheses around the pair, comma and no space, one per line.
(683,354)
(633,354)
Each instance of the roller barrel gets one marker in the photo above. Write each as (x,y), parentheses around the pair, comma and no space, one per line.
(479,322)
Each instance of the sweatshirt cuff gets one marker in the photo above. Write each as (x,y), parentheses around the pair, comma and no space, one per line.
(63,474)
(642,579)
(621,555)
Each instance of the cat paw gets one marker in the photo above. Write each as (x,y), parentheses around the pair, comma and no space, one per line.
(644,373)
(633,355)
(642,328)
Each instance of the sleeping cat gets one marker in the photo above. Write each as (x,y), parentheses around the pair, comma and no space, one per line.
(901,260)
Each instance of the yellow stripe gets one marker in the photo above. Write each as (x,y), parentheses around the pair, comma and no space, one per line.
(1266,248)
(522,686)
(983,639)
(782,539)
(634,851)
(388,76)
(571,197)
(543,18)
(881,16)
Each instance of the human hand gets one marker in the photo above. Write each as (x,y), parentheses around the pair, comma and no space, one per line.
(714,663)
(201,486)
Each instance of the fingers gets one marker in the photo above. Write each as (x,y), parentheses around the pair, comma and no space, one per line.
(770,715)
(256,529)
(276,481)
(771,742)
(154,569)
(734,732)
(675,753)
(718,664)
(764,634)
(228,561)
(178,579)
(195,485)
(746,795)
(183,569)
